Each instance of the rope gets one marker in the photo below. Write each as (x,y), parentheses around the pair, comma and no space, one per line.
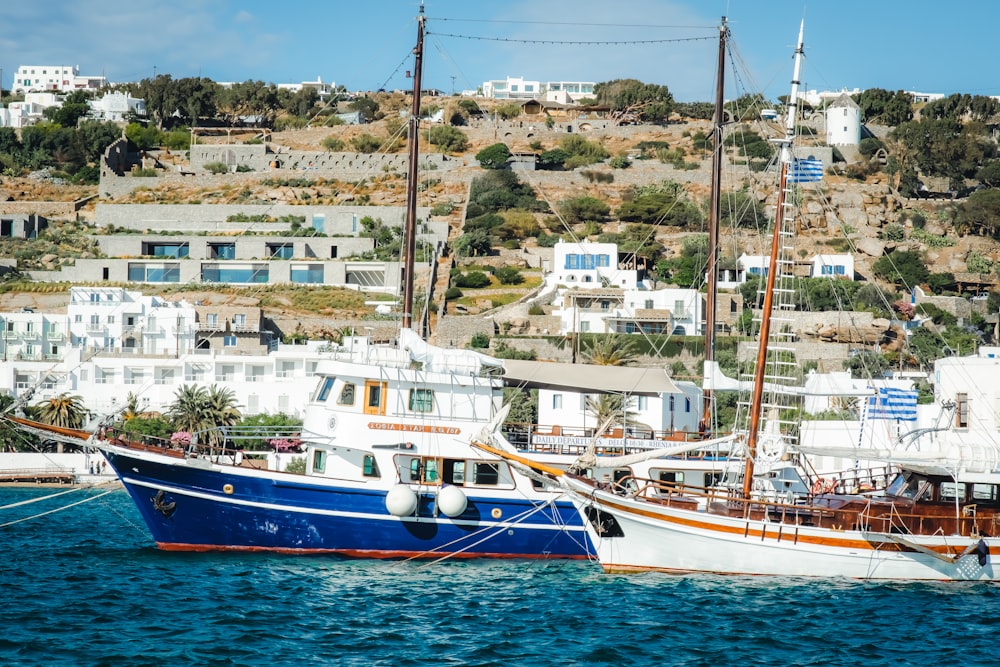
(58,509)
(36,500)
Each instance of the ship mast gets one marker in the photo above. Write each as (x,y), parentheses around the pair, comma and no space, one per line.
(786,156)
(413,138)
(714,215)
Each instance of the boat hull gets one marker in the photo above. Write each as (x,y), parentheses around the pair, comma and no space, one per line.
(194,505)
(653,537)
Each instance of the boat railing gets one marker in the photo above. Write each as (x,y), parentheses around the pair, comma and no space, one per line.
(574,440)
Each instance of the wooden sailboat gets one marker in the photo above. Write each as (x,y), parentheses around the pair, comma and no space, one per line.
(937,520)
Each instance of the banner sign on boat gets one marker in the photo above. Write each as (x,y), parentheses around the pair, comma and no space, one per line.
(413,428)
(574,441)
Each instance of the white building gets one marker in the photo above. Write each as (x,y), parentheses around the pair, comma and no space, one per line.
(819,99)
(518,88)
(29,111)
(677,311)
(61,78)
(115,106)
(589,265)
(818,266)
(653,415)
(112,342)
(324,89)
(843,122)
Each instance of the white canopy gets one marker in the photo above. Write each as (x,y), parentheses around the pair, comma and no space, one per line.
(589,378)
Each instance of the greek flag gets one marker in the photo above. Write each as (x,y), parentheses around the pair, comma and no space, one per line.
(805,171)
(889,403)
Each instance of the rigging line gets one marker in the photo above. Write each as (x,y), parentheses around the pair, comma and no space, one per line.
(558,42)
(576,23)
(37,500)
(58,509)
(499,529)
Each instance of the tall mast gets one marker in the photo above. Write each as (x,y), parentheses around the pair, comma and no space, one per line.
(410,231)
(714,214)
(756,401)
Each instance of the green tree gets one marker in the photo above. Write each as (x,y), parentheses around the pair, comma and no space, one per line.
(907,268)
(197,409)
(448,139)
(583,209)
(884,107)
(493,157)
(73,108)
(631,99)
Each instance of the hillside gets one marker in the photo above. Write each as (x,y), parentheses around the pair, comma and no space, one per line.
(848,215)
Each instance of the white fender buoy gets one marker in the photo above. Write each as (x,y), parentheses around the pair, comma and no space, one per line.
(452,501)
(401,500)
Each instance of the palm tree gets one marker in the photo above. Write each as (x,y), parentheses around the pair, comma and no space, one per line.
(222,409)
(611,350)
(63,410)
(187,412)
(613,409)
(196,409)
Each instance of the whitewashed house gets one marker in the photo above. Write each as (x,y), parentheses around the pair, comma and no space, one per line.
(116,106)
(112,342)
(61,78)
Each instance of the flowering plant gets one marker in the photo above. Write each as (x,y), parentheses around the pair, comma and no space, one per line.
(180,438)
(285,444)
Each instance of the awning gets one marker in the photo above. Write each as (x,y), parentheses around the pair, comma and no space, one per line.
(589,378)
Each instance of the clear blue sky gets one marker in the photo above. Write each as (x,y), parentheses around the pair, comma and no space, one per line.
(924,45)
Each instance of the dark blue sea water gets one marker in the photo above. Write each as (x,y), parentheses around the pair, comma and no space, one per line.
(86,587)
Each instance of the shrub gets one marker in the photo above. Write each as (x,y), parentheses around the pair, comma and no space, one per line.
(216,167)
(443,208)
(620,162)
(480,341)
(472,280)
(144,173)
(536,309)
(452,293)
(366,143)
(509,275)
(333,144)
(447,138)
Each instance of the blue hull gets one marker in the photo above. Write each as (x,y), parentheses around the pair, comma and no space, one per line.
(187,508)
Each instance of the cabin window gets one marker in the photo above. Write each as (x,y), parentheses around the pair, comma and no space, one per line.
(431,471)
(642,402)
(984,492)
(415,469)
(951,490)
(369,467)
(962,410)
(454,472)
(346,395)
(319,461)
(325,388)
(486,473)
(421,400)
(556,401)
(670,476)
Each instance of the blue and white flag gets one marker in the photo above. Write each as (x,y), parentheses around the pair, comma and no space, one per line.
(900,404)
(805,171)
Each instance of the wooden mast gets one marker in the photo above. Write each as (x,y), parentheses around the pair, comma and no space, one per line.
(756,401)
(714,215)
(413,139)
